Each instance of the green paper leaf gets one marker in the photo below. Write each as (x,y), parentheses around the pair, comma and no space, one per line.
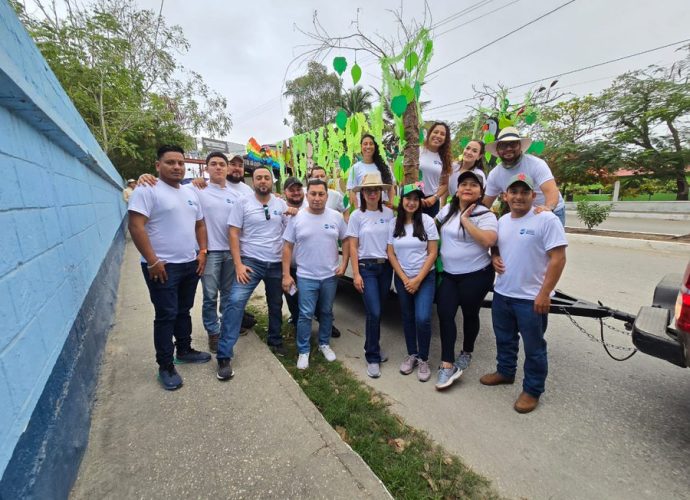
(341,119)
(354,126)
(428,47)
(536,148)
(417,90)
(489,137)
(505,105)
(487,157)
(399,105)
(421,136)
(396,201)
(420,176)
(398,170)
(356,73)
(464,142)
(530,118)
(339,64)
(504,122)
(408,92)
(411,61)
(344,162)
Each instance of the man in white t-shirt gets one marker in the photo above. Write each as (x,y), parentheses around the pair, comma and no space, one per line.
(529,259)
(336,200)
(510,148)
(256,228)
(167,226)
(313,235)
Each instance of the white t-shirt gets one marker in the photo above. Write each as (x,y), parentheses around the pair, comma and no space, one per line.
(172,214)
(536,168)
(453,179)
(356,175)
(335,200)
(316,242)
(371,228)
(216,203)
(260,238)
(460,254)
(410,251)
(431,166)
(523,243)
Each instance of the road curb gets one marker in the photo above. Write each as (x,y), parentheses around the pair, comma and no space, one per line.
(612,241)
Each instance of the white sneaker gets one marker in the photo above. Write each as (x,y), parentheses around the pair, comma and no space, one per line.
(303,361)
(327,352)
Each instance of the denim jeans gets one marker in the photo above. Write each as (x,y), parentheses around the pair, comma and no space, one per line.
(272,275)
(377,285)
(172,301)
(433,210)
(511,316)
(560,213)
(219,275)
(312,292)
(416,315)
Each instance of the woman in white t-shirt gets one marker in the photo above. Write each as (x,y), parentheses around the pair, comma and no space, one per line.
(435,164)
(468,230)
(412,252)
(372,162)
(472,159)
(372,274)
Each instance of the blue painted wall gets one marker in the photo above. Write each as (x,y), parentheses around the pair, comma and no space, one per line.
(61,214)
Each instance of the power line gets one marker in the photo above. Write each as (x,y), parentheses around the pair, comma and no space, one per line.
(501,37)
(475,19)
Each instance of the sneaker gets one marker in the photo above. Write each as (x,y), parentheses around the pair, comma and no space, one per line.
(335,333)
(169,378)
(248,322)
(303,361)
(193,356)
(423,371)
(327,352)
(384,356)
(225,371)
(373,370)
(408,364)
(446,377)
(213,343)
(279,350)
(463,361)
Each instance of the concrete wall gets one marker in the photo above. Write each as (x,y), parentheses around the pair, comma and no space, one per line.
(61,216)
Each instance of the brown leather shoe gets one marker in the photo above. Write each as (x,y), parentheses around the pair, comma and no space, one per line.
(213,343)
(525,403)
(495,378)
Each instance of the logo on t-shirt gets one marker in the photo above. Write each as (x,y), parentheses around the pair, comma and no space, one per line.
(329,226)
(191,203)
(527,231)
(276,212)
(381,221)
(228,200)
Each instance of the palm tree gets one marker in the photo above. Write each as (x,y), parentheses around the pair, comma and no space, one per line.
(356,100)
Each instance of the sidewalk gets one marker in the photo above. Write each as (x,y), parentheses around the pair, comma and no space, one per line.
(256,436)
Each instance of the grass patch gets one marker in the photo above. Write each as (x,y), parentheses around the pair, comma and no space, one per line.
(405,459)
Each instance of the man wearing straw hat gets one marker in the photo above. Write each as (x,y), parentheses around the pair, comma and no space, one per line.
(510,148)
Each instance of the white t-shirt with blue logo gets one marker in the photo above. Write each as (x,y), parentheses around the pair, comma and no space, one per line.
(356,175)
(260,238)
(460,254)
(523,243)
(431,166)
(371,228)
(315,238)
(410,251)
(172,214)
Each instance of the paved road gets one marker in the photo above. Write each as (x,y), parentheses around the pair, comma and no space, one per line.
(603,430)
(637,224)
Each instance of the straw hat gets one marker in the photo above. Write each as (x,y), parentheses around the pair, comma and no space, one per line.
(506,135)
(371,181)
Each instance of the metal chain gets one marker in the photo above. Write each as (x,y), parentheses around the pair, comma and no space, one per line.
(618,330)
(595,339)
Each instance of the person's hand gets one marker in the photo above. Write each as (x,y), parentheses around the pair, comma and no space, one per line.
(542,303)
(412,285)
(157,272)
(427,202)
(199,182)
(242,273)
(359,283)
(288,283)
(465,218)
(498,264)
(341,270)
(146,180)
(201,259)
(542,208)
(291,211)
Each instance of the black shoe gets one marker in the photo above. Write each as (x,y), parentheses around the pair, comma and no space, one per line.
(193,356)
(248,321)
(169,378)
(225,371)
(335,333)
(279,350)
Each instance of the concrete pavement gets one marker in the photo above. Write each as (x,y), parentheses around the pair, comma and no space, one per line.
(256,436)
(635,223)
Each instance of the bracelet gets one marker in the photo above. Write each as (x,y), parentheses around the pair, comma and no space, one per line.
(153,265)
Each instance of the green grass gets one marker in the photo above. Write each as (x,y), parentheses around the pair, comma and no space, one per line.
(405,459)
(642,197)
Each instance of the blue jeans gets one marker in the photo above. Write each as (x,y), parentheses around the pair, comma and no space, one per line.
(312,292)
(272,275)
(219,275)
(416,315)
(377,284)
(510,317)
(172,301)
(560,213)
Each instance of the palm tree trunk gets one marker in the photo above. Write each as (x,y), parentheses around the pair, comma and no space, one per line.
(411,151)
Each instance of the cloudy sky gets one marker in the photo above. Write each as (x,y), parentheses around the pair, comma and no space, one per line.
(243,48)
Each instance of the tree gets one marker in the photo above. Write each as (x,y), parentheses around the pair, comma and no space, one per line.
(356,100)
(315,98)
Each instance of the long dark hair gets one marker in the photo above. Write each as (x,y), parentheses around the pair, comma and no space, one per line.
(444,151)
(454,208)
(363,202)
(418,230)
(379,161)
(479,162)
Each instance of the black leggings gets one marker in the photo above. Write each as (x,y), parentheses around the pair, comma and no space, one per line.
(466,291)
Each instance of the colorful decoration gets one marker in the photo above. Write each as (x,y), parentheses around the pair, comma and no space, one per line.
(339,65)
(356,73)
(262,154)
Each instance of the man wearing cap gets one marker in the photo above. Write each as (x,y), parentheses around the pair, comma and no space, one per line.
(313,235)
(510,148)
(529,259)
(127,192)
(295,196)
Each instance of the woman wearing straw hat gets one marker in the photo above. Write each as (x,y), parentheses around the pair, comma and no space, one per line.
(435,164)
(372,274)
(412,251)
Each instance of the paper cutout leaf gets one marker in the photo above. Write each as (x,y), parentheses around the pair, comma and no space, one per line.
(489,137)
(408,92)
(399,105)
(487,156)
(464,142)
(339,64)
(420,176)
(398,170)
(530,118)
(356,73)
(353,125)
(411,61)
(341,119)
(505,105)
(417,90)
(344,162)
(421,135)
(504,122)
(536,148)
(428,47)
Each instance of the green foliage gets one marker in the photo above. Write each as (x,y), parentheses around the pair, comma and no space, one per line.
(314,98)
(592,214)
(356,100)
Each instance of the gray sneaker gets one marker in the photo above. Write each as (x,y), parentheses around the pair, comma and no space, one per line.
(423,371)
(446,377)
(373,370)
(408,364)
(463,360)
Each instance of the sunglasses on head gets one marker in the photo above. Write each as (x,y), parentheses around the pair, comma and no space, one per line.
(267,213)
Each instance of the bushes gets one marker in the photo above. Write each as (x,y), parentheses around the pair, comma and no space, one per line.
(592,214)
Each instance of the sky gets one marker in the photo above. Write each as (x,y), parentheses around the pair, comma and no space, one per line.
(242,49)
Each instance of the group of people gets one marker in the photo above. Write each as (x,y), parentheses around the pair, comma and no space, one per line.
(233,236)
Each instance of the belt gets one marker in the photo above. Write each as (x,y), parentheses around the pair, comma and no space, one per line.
(373,261)
(217,251)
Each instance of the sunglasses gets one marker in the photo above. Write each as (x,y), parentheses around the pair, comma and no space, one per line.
(267,214)
(507,145)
